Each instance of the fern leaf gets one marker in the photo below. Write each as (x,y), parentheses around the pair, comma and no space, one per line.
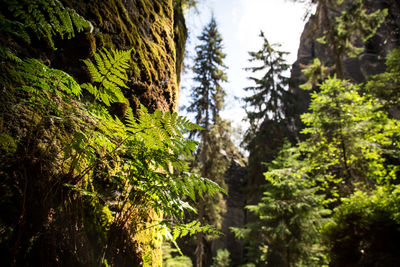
(46,80)
(46,18)
(110,74)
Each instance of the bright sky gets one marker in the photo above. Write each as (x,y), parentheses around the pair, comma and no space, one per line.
(240,22)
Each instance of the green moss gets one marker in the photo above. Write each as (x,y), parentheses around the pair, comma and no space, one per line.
(7,144)
(150,241)
(156,31)
(150,27)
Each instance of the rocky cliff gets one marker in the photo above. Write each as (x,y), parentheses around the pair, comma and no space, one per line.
(43,222)
(358,69)
(235,213)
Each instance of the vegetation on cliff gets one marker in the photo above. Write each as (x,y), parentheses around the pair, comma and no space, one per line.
(82,184)
(325,196)
(97,168)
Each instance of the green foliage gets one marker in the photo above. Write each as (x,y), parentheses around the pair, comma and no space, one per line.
(347,136)
(385,85)
(364,230)
(289,215)
(109,75)
(222,258)
(270,91)
(7,144)
(40,80)
(351,145)
(46,18)
(315,73)
(171,258)
(270,110)
(349,160)
(182,230)
(144,160)
(354,22)
(208,95)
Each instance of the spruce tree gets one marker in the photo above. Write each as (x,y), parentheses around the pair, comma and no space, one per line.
(207,102)
(268,112)
(269,91)
(289,217)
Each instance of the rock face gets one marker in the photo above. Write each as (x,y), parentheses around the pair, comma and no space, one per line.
(368,63)
(45,231)
(155,30)
(235,212)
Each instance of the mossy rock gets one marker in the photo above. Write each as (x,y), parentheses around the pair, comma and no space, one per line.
(157,33)
(7,144)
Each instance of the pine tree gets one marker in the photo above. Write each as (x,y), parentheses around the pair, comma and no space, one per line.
(289,216)
(268,112)
(270,91)
(207,102)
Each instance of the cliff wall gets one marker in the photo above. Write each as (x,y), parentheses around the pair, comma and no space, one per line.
(357,69)
(43,222)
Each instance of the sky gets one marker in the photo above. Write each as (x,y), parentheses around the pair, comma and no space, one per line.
(240,23)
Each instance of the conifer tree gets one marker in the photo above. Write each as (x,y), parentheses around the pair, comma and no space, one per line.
(268,112)
(289,216)
(207,102)
(269,91)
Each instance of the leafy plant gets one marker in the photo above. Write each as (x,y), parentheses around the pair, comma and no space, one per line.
(109,75)
(145,158)
(364,230)
(348,134)
(171,257)
(41,81)
(46,18)
(353,24)
(289,217)
(384,85)
(222,258)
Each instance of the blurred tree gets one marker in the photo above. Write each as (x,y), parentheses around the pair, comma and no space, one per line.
(365,229)
(347,136)
(289,214)
(269,110)
(207,102)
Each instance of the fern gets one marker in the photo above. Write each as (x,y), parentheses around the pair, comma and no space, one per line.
(46,18)
(109,75)
(14,28)
(172,233)
(6,53)
(148,152)
(42,82)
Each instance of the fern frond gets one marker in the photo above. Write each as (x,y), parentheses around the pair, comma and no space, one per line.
(42,81)
(172,233)
(193,228)
(6,53)
(46,18)
(15,28)
(109,73)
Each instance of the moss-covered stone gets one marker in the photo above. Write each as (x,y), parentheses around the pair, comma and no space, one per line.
(64,225)
(156,31)
(150,240)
